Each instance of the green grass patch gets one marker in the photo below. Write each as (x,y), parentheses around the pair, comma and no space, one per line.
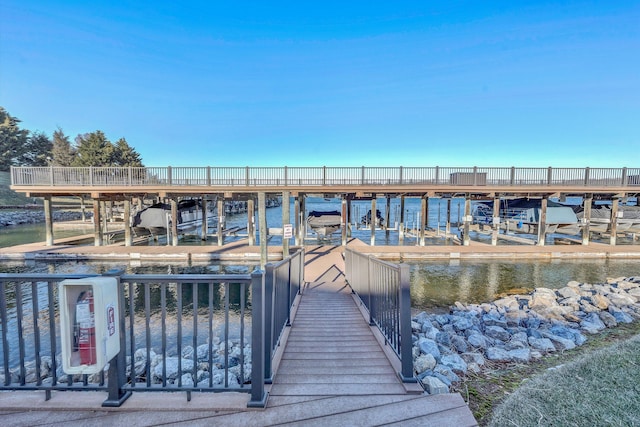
(601,388)
(486,392)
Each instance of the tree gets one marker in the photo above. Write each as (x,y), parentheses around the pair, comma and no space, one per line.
(125,155)
(93,149)
(62,153)
(37,151)
(13,140)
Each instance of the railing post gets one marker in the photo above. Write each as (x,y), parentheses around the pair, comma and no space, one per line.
(475,176)
(512,178)
(268,302)
(246,176)
(324,175)
(372,298)
(51,175)
(400,175)
(129,177)
(406,344)
(437,174)
(258,395)
(118,365)
(586,176)
(549,175)
(286,173)
(91,176)
(208,176)
(169,178)
(624,177)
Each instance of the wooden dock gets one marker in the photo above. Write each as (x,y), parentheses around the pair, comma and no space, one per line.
(331,370)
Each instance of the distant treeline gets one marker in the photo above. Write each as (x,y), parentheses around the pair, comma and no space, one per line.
(21,147)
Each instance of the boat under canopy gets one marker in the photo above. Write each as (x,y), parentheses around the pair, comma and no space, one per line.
(523,216)
(324,223)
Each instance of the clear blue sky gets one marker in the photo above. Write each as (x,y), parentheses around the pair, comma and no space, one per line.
(335,83)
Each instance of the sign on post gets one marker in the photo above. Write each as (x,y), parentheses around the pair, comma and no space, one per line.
(287,231)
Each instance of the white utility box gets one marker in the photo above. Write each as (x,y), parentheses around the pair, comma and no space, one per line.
(89,320)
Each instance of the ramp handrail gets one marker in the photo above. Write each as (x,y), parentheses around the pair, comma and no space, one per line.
(383,288)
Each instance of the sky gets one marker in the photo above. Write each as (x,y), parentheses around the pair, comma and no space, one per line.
(332,83)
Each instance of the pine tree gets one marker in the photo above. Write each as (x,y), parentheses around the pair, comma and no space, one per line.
(62,153)
(13,140)
(93,149)
(125,155)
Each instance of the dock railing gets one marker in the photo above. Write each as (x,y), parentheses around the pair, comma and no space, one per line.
(182,332)
(54,176)
(383,289)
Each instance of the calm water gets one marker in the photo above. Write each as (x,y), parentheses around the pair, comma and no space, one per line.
(436,285)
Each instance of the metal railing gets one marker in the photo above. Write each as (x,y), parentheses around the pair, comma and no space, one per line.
(383,289)
(322,176)
(185,332)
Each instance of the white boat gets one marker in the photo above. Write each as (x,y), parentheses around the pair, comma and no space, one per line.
(324,223)
(628,220)
(156,218)
(523,216)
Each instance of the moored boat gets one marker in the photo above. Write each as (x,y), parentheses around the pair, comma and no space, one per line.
(324,223)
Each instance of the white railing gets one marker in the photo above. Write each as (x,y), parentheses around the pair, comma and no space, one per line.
(322,176)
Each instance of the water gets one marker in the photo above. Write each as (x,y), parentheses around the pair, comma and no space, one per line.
(437,221)
(437,285)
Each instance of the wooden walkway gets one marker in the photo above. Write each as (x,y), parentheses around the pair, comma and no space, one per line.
(332,371)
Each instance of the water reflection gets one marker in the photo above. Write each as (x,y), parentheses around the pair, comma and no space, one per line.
(436,285)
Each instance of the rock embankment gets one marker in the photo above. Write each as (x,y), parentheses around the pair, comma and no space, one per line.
(29,216)
(517,328)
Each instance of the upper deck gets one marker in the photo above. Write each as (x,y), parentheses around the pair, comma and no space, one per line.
(359,181)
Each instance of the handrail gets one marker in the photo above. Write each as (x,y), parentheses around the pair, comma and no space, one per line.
(383,288)
(252,177)
(151,306)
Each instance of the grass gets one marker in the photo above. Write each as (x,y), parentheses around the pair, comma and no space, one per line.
(599,389)
(607,365)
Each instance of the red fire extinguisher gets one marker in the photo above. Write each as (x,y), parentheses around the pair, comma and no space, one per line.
(85,321)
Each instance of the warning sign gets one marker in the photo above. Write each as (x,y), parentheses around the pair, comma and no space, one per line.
(287,231)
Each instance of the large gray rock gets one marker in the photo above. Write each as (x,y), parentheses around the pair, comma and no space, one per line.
(497,332)
(542,344)
(460,344)
(622,300)
(424,362)
(498,354)
(433,385)
(619,315)
(429,346)
(521,355)
(608,319)
(543,298)
(455,362)
(477,340)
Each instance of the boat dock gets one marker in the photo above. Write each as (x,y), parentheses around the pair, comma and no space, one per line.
(333,369)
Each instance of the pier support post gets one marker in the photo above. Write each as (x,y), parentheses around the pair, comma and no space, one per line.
(204,231)
(174,222)
(447,228)
(48,221)
(286,219)
(128,238)
(262,229)
(82,209)
(303,222)
(401,224)
(387,216)
(495,220)
(372,222)
(615,203)
(97,220)
(221,215)
(586,218)
(251,221)
(424,217)
(296,219)
(542,221)
(344,219)
(466,239)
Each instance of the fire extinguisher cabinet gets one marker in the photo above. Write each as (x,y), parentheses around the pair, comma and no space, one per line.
(89,322)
